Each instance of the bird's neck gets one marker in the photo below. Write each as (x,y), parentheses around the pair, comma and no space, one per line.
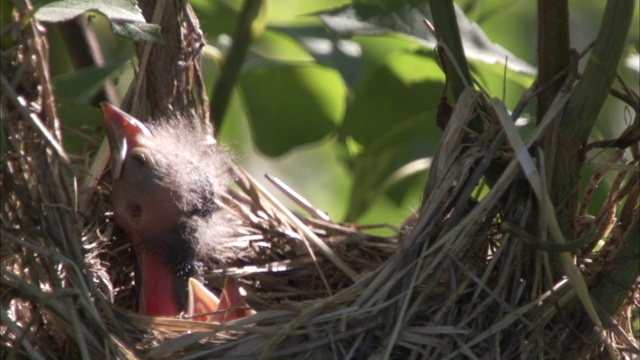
(161,290)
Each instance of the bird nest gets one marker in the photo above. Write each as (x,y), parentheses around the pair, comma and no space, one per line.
(460,280)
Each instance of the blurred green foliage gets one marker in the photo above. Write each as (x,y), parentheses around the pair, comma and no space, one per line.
(339,99)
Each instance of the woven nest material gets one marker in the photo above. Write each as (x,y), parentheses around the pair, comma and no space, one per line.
(459,281)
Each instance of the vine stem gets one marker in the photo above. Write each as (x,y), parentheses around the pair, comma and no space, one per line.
(583,108)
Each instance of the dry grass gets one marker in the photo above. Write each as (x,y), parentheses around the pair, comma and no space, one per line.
(464,280)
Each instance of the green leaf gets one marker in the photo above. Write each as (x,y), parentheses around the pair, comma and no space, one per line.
(406,17)
(393,118)
(296,12)
(274,45)
(82,85)
(80,116)
(492,78)
(375,171)
(138,31)
(125,16)
(405,85)
(375,49)
(289,106)
(380,17)
(84,118)
(216,17)
(480,11)
(63,10)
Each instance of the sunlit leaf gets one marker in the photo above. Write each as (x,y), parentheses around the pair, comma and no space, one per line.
(405,85)
(406,17)
(289,106)
(392,118)
(274,45)
(126,18)
(63,10)
(497,82)
(217,17)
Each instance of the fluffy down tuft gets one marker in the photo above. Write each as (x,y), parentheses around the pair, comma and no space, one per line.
(198,170)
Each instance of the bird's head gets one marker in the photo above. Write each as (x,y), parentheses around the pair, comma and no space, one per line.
(163,193)
(145,204)
(149,197)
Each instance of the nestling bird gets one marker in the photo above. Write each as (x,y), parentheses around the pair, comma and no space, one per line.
(165,180)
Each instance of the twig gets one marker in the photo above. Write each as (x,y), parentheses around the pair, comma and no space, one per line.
(234,60)
(298,199)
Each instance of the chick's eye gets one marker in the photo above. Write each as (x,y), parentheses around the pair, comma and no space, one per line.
(139,158)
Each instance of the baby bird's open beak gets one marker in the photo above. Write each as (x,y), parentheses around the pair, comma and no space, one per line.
(230,306)
(147,209)
(124,133)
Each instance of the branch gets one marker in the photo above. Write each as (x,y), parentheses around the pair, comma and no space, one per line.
(553,50)
(593,89)
(233,63)
(585,105)
(448,33)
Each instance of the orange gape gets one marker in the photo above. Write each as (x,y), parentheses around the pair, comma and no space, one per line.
(160,213)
